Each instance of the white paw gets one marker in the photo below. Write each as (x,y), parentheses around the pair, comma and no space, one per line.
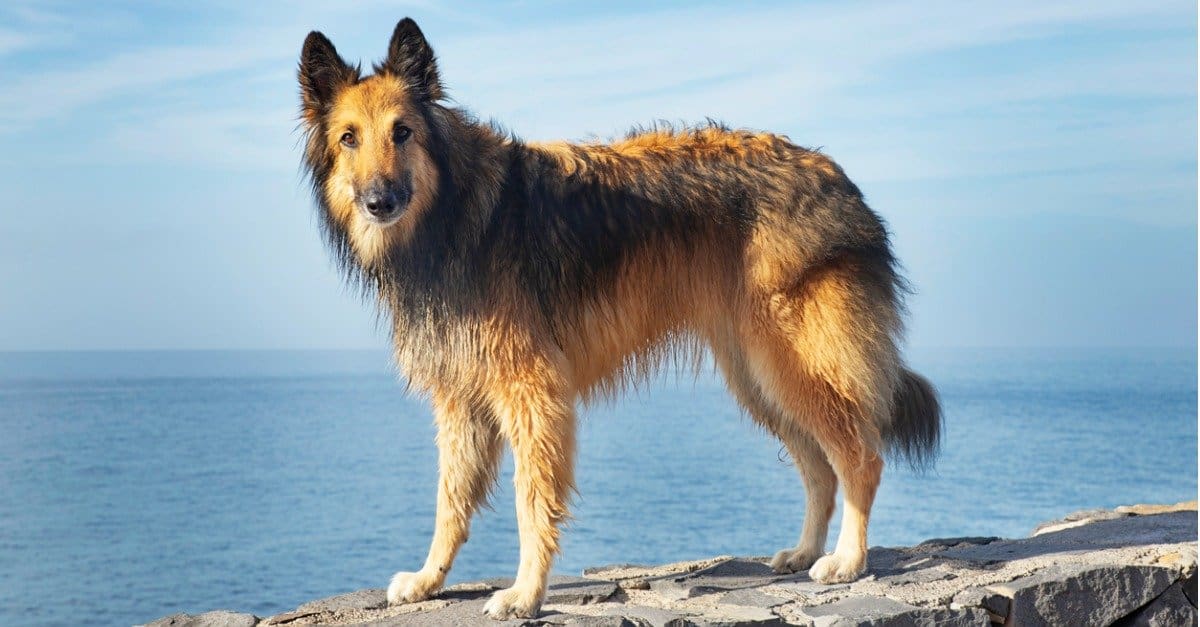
(794,560)
(838,568)
(513,603)
(411,587)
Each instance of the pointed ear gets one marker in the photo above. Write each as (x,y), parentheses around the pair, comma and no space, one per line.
(411,58)
(322,74)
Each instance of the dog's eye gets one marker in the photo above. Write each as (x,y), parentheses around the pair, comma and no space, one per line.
(348,140)
(401,133)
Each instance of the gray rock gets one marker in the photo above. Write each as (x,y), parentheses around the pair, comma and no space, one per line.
(605,621)
(855,610)
(1170,528)
(1189,589)
(942,617)
(577,620)
(562,588)
(593,571)
(917,576)
(1170,608)
(359,600)
(946,543)
(218,618)
(809,592)
(649,616)
(883,561)
(463,605)
(864,611)
(732,574)
(1082,594)
(460,613)
(751,597)
(997,605)
(739,616)
(578,590)
(1076,519)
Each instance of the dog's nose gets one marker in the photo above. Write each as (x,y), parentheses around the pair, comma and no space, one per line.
(380,202)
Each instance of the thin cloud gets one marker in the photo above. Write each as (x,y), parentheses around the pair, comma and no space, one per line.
(811,71)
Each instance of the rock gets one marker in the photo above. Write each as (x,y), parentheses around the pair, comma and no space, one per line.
(599,572)
(739,616)
(651,616)
(1144,510)
(463,614)
(870,611)
(947,543)
(854,610)
(360,600)
(602,621)
(577,620)
(615,572)
(578,590)
(996,605)
(731,574)
(1087,595)
(218,618)
(1131,566)
(1189,589)
(1076,519)
(751,597)
(1172,607)
(1124,531)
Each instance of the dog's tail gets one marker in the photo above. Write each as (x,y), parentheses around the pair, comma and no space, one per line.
(916,428)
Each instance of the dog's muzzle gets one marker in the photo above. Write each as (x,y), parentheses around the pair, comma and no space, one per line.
(384,203)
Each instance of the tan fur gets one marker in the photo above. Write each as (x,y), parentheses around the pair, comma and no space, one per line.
(369,109)
(695,143)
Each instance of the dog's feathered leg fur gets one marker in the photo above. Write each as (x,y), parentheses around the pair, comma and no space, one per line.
(469,447)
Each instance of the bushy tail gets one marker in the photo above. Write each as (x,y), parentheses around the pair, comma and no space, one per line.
(916,428)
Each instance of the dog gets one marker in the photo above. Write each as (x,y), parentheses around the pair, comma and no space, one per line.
(520,279)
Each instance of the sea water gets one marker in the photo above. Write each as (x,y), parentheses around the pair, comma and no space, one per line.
(135,485)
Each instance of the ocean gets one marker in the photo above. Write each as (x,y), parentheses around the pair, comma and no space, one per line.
(139,484)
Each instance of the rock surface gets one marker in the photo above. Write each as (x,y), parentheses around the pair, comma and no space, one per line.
(1130,566)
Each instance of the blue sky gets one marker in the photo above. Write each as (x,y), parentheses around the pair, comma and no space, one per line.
(1036,161)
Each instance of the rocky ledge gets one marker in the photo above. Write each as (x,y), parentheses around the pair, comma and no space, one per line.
(1130,566)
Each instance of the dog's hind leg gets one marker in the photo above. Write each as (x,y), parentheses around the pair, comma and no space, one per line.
(469,446)
(824,353)
(860,468)
(820,482)
(820,487)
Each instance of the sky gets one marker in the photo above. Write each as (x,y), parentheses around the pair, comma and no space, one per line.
(1035,161)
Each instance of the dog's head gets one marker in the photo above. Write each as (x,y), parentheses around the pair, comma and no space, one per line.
(369,140)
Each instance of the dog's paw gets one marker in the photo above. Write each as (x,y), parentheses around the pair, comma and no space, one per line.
(513,603)
(412,587)
(794,560)
(838,568)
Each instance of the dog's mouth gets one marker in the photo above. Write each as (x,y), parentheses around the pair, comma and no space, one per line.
(383,221)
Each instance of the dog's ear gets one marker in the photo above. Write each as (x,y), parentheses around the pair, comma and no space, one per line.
(322,74)
(411,59)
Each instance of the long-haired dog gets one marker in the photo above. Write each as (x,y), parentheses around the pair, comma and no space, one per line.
(520,278)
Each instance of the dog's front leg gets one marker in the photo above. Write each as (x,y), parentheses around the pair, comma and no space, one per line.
(469,446)
(537,416)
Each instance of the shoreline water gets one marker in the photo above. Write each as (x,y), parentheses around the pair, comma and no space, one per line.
(259,483)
